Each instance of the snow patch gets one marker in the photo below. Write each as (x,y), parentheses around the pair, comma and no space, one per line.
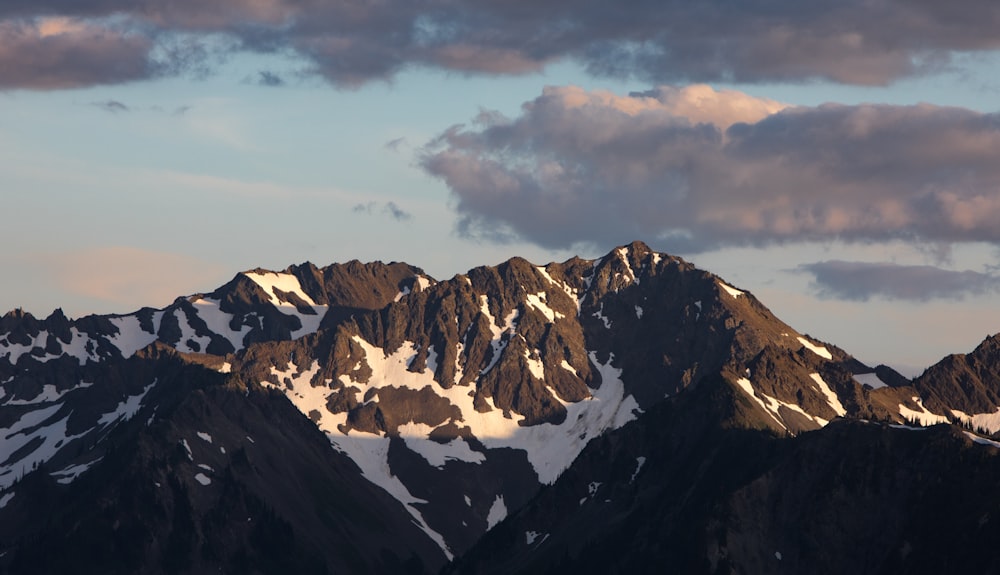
(831,397)
(599,314)
(498,512)
(48,394)
(988,421)
(539,301)
(202,478)
(417,439)
(638,312)
(817,349)
(131,337)
(924,416)
(730,289)
(6,499)
(218,321)
(981,440)
(67,475)
(204,436)
(126,409)
(593,487)
(288,283)
(639,462)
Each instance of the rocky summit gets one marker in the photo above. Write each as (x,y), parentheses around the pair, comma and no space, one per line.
(630,413)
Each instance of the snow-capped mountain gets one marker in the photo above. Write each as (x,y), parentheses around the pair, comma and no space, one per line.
(369,418)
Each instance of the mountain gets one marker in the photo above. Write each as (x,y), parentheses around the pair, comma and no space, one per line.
(590,414)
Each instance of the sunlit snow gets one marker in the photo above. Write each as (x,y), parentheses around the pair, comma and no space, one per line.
(817,349)
(831,397)
(988,421)
(730,289)
(288,283)
(923,416)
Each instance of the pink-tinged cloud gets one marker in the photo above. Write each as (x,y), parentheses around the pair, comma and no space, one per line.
(349,43)
(63,53)
(128,276)
(705,169)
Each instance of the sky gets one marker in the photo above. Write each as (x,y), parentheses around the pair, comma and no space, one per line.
(839,159)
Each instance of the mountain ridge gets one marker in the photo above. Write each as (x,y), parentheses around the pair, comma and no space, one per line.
(448,404)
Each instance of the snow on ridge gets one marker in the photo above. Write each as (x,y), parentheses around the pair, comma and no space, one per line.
(772,405)
(817,349)
(831,397)
(131,336)
(550,448)
(288,283)
(188,334)
(623,253)
(988,421)
(497,343)
(76,348)
(730,289)
(218,321)
(924,416)
(539,302)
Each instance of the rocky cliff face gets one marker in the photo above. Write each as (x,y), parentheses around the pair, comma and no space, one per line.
(366,417)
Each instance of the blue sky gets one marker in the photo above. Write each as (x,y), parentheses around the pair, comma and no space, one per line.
(839,162)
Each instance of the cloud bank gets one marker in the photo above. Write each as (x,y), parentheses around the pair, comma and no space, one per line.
(704,169)
(860,281)
(48,44)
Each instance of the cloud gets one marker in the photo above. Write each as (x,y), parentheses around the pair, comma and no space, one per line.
(349,43)
(127,276)
(386,208)
(861,281)
(113,106)
(270,79)
(59,53)
(703,169)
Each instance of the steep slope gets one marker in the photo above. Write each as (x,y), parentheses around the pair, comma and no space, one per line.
(689,488)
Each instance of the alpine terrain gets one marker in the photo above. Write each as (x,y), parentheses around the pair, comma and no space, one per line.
(628,414)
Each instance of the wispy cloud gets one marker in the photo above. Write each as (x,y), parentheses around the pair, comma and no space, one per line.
(861,281)
(385,208)
(59,44)
(113,106)
(269,79)
(128,276)
(706,169)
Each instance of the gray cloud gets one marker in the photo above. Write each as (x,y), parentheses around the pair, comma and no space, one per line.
(348,43)
(270,79)
(390,209)
(861,281)
(113,106)
(702,169)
